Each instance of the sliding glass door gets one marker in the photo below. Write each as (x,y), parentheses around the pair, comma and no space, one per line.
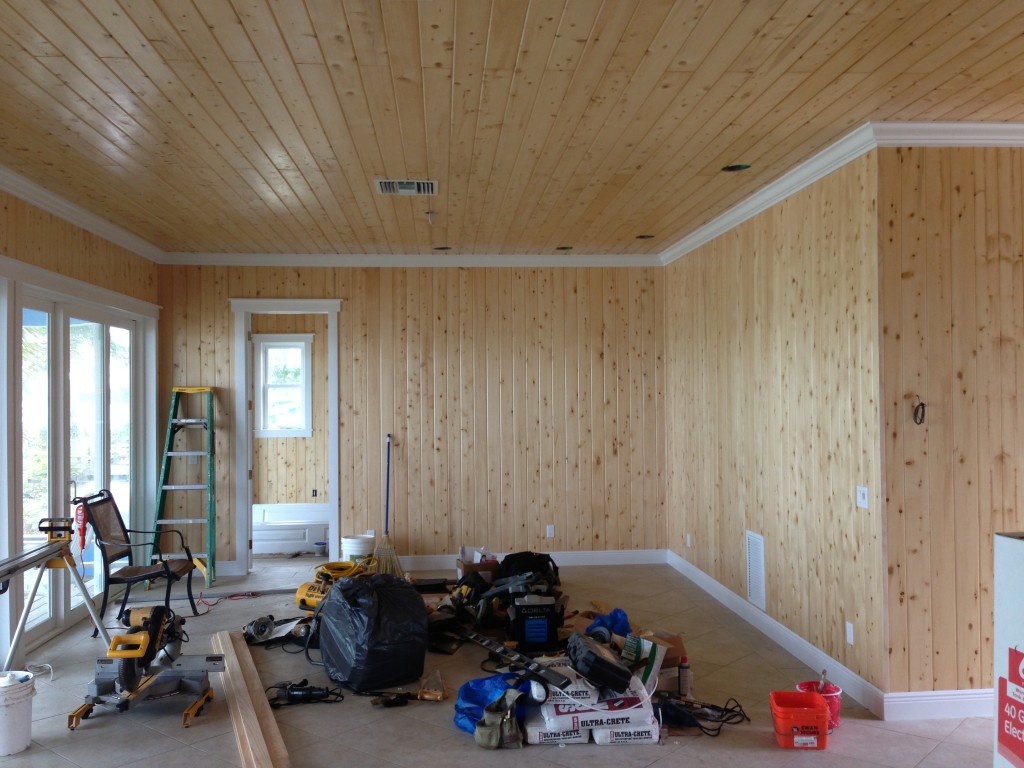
(76,435)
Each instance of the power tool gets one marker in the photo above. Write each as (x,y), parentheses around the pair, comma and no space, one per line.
(146,662)
(288,693)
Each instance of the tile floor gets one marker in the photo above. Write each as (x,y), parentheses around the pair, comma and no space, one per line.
(729,659)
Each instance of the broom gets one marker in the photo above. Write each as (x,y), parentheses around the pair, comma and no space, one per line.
(384,552)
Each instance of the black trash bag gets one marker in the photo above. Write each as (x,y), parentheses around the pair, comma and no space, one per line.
(538,563)
(373,632)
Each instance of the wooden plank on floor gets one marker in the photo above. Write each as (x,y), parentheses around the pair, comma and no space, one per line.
(259,741)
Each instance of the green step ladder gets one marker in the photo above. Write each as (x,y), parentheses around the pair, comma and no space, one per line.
(181,424)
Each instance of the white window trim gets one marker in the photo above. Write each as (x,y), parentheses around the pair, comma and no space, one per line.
(260,342)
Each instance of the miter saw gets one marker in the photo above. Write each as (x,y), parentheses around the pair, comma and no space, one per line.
(147,663)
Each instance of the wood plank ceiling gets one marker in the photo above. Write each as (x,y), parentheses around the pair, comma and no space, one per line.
(260,126)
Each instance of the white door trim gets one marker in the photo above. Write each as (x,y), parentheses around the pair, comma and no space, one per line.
(244,309)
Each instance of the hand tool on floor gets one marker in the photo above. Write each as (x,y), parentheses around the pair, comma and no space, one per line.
(513,657)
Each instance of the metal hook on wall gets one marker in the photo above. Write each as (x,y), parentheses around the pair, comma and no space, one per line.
(919,411)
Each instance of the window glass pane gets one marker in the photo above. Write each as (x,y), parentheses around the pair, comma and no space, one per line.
(35,447)
(285,408)
(120,376)
(283,385)
(284,365)
(86,418)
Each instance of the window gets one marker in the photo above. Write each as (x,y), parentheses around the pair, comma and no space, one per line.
(284,385)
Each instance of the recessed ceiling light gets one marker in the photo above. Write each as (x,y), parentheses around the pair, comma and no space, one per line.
(563,248)
(442,247)
(645,237)
(736,167)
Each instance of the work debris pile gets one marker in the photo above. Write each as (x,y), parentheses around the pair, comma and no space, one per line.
(554,676)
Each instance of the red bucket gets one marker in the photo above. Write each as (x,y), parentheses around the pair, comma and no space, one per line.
(832,694)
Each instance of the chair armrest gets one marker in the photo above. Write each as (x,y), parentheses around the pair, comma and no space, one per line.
(172,531)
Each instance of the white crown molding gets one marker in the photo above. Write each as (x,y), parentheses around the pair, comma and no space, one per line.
(848,148)
(52,203)
(948,134)
(856,143)
(409,261)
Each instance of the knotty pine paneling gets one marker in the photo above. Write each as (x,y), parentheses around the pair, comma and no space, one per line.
(952,293)
(31,235)
(288,470)
(516,398)
(771,348)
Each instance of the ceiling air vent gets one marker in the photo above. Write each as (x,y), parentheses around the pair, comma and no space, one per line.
(406,187)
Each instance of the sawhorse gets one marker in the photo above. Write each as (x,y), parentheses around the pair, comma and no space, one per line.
(54,554)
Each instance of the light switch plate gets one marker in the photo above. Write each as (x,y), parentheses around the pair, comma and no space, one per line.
(862,496)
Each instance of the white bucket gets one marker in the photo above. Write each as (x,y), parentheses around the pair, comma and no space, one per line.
(16,692)
(355,548)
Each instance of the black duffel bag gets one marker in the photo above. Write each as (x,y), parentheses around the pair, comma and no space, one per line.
(373,632)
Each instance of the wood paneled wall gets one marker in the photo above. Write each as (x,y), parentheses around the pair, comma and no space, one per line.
(777,366)
(36,237)
(288,470)
(773,412)
(952,294)
(517,398)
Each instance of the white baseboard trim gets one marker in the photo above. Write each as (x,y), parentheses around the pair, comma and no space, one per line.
(937,705)
(924,705)
(609,557)
(852,684)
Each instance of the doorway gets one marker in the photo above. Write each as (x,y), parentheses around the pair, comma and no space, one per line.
(291,493)
(259,478)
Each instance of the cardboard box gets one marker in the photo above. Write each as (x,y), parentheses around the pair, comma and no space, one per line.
(537,731)
(634,734)
(675,651)
(487,569)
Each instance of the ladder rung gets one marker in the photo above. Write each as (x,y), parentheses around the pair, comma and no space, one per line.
(179,419)
(183,520)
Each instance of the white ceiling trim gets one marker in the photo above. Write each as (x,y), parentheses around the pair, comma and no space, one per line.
(389,260)
(949,134)
(859,142)
(39,196)
(853,145)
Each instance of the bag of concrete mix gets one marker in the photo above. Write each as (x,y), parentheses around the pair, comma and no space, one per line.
(628,734)
(633,707)
(537,731)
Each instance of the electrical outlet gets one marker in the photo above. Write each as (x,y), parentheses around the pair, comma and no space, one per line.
(550,532)
(370,532)
(849,633)
(862,496)
(689,540)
